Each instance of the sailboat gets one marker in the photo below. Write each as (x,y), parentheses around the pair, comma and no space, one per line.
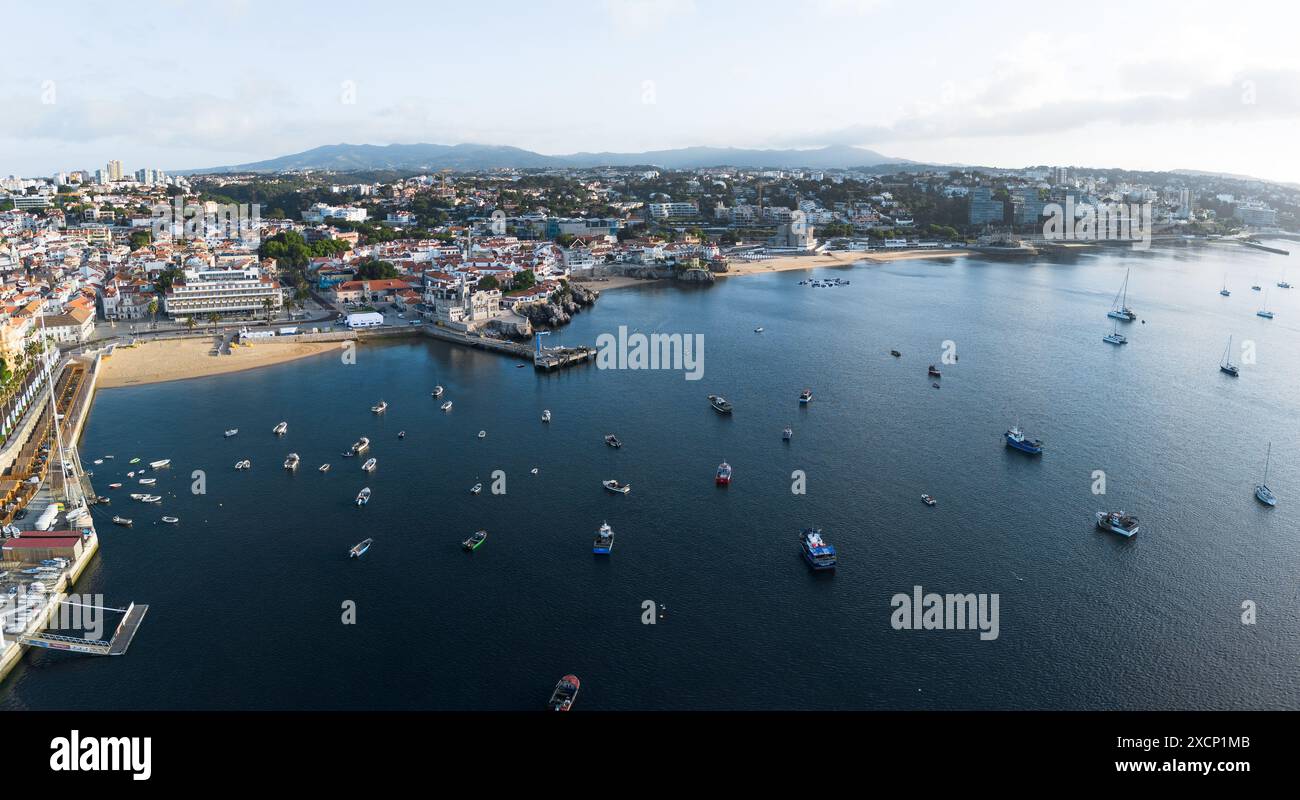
(1282,284)
(1226,364)
(1224,291)
(1262,492)
(1115,337)
(1120,309)
(1264,312)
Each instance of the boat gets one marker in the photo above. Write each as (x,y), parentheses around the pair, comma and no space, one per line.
(148,481)
(359,549)
(1115,337)
(151,498)
(115,486)
(723,475)
(476,488)
(787,433)
(1118,522)
(401,434)
(612,441)
(381,408)
(166,462)
(566,691)
(132,474)
(138,496)
(134,461)
(474,541)
(437,392)
(245,464)
(928,500)
(324,468)
(1226,364)
(291,463)
(1224,291)
(360,446)
(482,434)
(123,521)
(99,461)
(370,465)
(281,429)
(604,541)
(934,372)
(231,432)
(171,520)
(805,396)
(895,354)
(446,406)
(363,496)
(720,403)
(533,470)
(546,415)
(1120,309)
(1016,439)
(818,554)
(1264,312)
(615,486)
(1262,492)
(758,329)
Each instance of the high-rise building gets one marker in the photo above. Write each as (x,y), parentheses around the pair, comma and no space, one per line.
(114,170)
(1027,208)
(984,209)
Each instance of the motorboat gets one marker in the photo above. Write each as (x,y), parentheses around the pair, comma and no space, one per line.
(819,555)
(437,392)
(546,415)
(565,693)
(363,496)
(245,464)
(164,463)
(612,441)
(231,432)
(381,408)
(482,434)
(446,406)
(787,433)
(475,540)
(476,488)
(278,430)
(928,500)
(720,404)
(324,468)
(171,520)
(1118,522)
(291,463)
(723,475)
(805,396)
(123,521)
(359,549)
(616,487)
(370,465)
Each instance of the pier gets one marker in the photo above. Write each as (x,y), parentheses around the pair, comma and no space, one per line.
(123,634)
(545,359)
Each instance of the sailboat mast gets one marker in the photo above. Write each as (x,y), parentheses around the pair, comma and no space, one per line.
(1267,458)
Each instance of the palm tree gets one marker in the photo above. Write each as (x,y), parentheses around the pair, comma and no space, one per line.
(190,322)
(266,304)
(214,317)
(153,310)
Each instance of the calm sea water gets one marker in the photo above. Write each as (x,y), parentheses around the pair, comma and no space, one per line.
(246,594)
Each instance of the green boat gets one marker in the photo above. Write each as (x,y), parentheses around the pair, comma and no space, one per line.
(134,461)
(472,543)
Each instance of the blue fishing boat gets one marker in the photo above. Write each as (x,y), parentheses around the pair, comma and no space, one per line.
(1016,439)
(818,554)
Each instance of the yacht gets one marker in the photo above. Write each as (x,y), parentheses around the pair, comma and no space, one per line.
(476,488)
(446,406)
(723,475)
(720,403)
(381,408)
(1120,309)
(612,441)
(546,415)
(566,691)
(363,496)
(1226,364)
(1016,439)
(245,464)
(474,541)
(1118,522)
(928,500)
(787,433)
(278,430)
(1262,492)
(437,392)
(291,463)
(370,465)
(805,396)
(1115,337)
(231,432)
(324,468)
(359,549)
(604,541)
(818,554)
(616,487)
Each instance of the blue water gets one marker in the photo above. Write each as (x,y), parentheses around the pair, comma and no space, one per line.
(246,594)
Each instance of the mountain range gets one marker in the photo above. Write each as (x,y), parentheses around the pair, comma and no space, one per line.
(466,157)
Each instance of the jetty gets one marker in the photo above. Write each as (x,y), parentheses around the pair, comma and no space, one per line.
(545,359)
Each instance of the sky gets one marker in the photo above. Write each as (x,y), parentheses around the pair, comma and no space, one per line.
(174,84)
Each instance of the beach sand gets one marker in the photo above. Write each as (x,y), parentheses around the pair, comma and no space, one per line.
(178,359)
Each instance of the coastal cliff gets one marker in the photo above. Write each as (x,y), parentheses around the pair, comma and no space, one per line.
(693,276)
(559,308)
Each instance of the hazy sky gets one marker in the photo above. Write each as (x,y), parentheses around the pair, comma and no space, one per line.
(175,84)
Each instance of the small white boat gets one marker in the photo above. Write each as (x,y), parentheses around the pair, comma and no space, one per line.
(152,498)
(381,408)
(546,415)
(324,468)
(99,461)
(291,463)
(171,520)
(231,432)
(363,496)
(476,488)
(245,464)
(130,474)
(370,465)
(281,429)
(758,329)
(115,486)
(148,481)
(166,462)
(135,496)
(533,470)
(437,392)
(482,434)
(616,487)
(446,406)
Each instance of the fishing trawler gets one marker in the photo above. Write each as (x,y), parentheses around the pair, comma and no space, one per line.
(359,549)
(566,691)
(720,404)
(616,487)
(1226,364)
(475,540)
(279,430)
(723,475)
(291,463)
(818,554)
(363,496)
(1016,439)
(1118,522)
(604,541)
(1120,309)
(381,408)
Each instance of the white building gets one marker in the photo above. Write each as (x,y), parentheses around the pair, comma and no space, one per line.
(227,292)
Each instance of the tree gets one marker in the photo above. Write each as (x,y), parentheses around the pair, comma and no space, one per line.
(214,317)
(525,279)
(190,322)
(153,309)
(141,238)
(376,270)
(488,283)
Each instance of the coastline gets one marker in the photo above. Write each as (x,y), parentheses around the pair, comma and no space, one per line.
(182,359)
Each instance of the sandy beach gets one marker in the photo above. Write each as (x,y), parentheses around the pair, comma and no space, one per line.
(840,258)
(178,359)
